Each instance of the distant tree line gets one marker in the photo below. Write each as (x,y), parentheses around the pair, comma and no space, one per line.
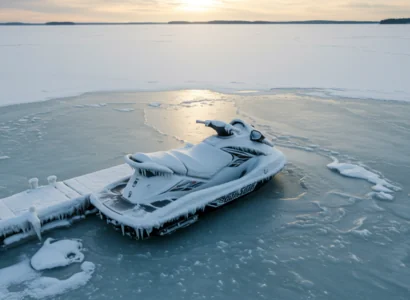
(396,21)
(386,21)
(60,23)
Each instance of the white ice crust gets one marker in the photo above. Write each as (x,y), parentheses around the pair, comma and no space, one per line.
(57,254)
(201,161)
(382,189)
(191,202)
(23,213)
(48,286)
(21,281)
(330,58)
(355,171)
(154,104)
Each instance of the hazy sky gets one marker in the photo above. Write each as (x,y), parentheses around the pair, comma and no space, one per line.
(200,10)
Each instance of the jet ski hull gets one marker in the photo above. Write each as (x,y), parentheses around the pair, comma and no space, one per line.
(112,207)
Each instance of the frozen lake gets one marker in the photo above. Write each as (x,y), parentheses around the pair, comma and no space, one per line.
(366,61)
(308,234)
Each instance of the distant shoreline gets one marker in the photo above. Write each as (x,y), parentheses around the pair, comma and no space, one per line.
(313,22)
(395,21)
(216,22)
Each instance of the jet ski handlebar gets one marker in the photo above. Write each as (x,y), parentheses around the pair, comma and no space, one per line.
(221,128)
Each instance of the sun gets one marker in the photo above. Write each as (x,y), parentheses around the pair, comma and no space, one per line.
(198,5)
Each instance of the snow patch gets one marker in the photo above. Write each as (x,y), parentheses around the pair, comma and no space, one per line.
(15,274)
(381,187)
(354,257)
(362,232)
(355,171)
(381,196)
(48,286)
(124,109)
(57,254)
(302,281)
(31,284)
(155,104)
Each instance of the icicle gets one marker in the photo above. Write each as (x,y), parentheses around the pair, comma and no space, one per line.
(149,230)
(122,229)
(34,221)
(52,180)
(33,182)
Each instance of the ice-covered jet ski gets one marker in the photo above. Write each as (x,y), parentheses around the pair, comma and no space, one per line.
(169,190)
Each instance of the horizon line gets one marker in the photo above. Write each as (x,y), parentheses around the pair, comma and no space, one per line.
(211,22)
(191,22)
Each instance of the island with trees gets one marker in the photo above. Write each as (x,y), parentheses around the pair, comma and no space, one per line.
(396,21)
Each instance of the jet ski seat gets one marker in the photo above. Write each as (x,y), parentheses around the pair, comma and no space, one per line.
(202,160)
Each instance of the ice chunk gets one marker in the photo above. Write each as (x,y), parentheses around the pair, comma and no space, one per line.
(355,171)
(154,104)
(302,281)
(382,196)
(57,224)
(57,254)
(124,109)
(362,232)
(381,188)
(16,238)
(4,157)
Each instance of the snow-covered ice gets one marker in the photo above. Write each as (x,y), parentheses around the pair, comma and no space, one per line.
(127,58)
(154,104)
(23,279)
(382,196)
(43,287)
(124,109)
(57,254)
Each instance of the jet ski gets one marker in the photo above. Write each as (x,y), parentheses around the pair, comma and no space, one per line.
(170,190)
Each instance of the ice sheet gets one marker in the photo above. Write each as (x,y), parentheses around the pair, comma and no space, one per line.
(284,57)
